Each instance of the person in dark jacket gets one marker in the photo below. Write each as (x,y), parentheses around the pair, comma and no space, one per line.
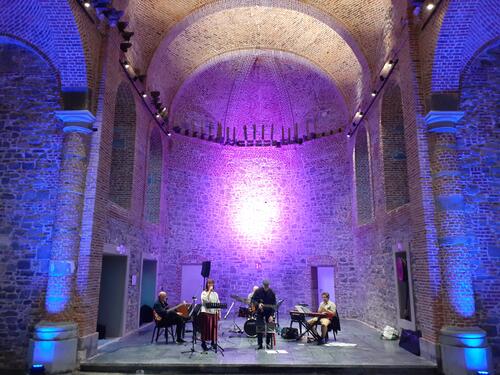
(168,316)
(265,301)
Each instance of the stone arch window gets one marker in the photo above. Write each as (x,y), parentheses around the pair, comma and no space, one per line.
(153,180)
(123,148)
(364,194)
(394,150)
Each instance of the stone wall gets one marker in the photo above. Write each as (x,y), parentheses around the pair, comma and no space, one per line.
(479,155)
(261,212)
(30,152)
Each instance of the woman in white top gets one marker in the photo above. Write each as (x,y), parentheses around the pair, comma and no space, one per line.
(209,316)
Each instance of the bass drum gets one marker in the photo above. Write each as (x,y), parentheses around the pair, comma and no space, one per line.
(250,328)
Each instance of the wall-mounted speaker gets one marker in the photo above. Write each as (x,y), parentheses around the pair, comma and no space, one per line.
(205,269)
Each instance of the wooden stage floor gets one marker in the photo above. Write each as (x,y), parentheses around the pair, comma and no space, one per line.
(358,350)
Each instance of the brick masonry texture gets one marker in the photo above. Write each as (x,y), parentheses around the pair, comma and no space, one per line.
(30,157)
(346,203)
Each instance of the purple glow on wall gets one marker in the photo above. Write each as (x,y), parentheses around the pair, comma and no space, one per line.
(256,210)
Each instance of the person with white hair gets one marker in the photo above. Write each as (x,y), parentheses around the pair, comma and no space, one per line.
(166,316)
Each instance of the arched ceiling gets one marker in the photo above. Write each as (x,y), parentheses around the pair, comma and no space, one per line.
(263,88)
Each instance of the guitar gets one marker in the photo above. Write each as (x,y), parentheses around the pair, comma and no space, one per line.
(182,309)
(254,306)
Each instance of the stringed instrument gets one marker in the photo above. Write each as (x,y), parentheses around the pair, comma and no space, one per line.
(182,309)
(255,306)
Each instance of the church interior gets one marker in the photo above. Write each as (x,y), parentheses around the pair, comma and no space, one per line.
(311,148)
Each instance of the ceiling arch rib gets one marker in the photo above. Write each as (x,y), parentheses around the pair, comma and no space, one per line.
(204,35)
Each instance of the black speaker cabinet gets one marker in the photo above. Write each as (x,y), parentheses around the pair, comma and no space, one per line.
(205,269)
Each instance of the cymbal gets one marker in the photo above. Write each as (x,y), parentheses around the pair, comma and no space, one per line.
(239,299)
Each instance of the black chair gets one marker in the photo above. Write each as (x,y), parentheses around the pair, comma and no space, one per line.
(334,326)
(169,329)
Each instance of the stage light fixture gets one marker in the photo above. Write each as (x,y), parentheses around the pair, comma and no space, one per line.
(359,113)
(169,134)
(126,65)
(144,95)
(125,46)
(374,93)
(140,77)
(390,63)
(430,6)
(122,25)
(155,95)
(348,135)
(157,115)
(37,369)
(126,35)
(86,4)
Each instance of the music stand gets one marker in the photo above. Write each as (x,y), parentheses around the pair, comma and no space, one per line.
(278,312)
(193,315)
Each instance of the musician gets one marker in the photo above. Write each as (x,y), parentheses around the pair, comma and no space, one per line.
(168,317)
(326,306)
(265,299)
(250,295)
(209,316)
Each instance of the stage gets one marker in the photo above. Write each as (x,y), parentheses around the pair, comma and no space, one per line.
(358,350)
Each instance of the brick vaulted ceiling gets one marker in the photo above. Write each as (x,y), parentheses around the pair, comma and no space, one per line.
(346,39)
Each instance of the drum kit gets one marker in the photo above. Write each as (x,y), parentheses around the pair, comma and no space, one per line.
(247,312)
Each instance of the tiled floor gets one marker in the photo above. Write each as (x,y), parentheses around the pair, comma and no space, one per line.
(367,350)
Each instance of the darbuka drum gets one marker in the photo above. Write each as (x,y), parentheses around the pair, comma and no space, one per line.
(243,312)
(250,328)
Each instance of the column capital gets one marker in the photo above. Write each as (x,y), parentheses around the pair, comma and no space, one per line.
(76,120)
(443,121)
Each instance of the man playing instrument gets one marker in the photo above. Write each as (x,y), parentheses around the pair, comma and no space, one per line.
(265,299)
(168,316)
(329,309)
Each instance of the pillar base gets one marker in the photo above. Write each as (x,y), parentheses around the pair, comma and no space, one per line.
(464,351)
(54,345)
(87,346)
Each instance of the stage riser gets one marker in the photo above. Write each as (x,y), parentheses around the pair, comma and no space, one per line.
(261,370)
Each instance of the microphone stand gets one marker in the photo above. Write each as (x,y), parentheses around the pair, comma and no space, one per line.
(193,315)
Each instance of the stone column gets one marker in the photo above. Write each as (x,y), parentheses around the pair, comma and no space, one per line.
(66,234)
(59,334)
(458,306)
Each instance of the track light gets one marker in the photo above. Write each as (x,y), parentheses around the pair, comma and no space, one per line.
(144,95)
(125,46)
(155,95)
(374,93)
(348,135)
(169,134)
(127,35)
(390,63)
(163,109)
(122,25)
(430,6)
(359,113)
(126,65)
(140,77)
(86,4)
(157,115)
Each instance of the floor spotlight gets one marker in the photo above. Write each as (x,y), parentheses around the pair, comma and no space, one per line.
(37,369)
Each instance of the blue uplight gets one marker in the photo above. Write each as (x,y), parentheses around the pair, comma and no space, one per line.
(476,359)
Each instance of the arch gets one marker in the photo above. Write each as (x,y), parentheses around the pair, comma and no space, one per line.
(471,24)
(30,157)
(182,52)
(394,149)
(123,147)
(362,175)
(154,177)
(53,30)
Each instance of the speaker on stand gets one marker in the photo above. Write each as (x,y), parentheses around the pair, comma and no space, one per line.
(205,272)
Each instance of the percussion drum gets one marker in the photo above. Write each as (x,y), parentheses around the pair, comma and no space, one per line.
(243,312)
(250,328)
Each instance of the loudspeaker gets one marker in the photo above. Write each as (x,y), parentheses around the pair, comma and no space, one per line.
(290,333)
(205,269)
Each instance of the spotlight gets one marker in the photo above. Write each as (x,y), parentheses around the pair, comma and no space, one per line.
(140,77)
(127,35)
(37,369)
(359,113)
(86,4)
(169,134)
(157,115)
(125,46)
(374,93)
(144,95)
(348,135)
(126,65)
(430,6)
(122,25)
(163,109)
(155,95)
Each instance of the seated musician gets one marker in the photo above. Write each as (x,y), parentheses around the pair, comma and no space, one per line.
(329,308)
(209,316)
(250,295)
(168,317)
